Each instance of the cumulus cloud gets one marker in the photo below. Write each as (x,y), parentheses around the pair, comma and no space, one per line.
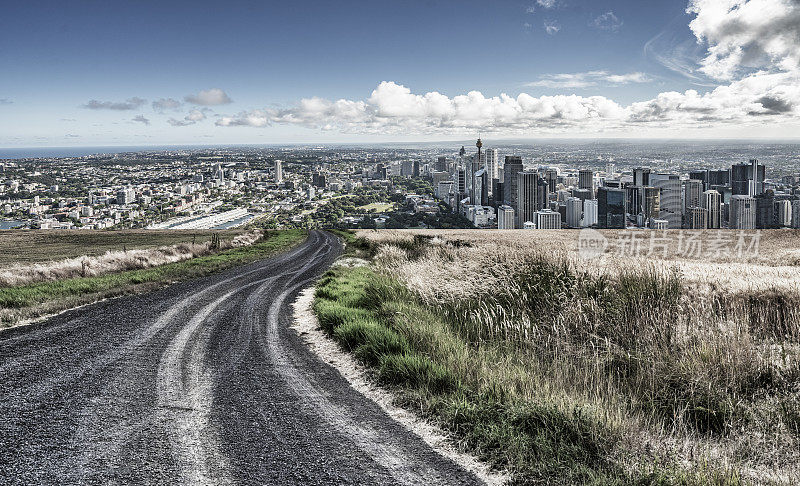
(747,35)
(129,104)
(587,79)
(209,97)
(141,119)
(551,27)
(166,104)
(547,3)
(191,118)
(530,9)
(607,21)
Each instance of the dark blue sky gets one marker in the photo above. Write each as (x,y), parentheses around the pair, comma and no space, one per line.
(56,56)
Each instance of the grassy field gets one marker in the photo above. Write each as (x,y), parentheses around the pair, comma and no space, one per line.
(563,370)
(41,298)
(34,246)
(377,207)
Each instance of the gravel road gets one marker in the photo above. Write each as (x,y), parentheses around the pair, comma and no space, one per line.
(201,382)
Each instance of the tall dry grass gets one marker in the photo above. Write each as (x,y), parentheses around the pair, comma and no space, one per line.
(118,261)
(694,363)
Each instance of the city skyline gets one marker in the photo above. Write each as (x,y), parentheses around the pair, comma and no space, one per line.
(201,74)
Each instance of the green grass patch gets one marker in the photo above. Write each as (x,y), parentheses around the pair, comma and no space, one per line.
(35,299)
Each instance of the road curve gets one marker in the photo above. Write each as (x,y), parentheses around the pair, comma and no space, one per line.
(201,382)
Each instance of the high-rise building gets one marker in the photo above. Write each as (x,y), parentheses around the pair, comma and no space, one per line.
(551,176)
(441,164)
(481,190)
(651,203)
(796,214)
(692,191)
(718,177)
(512,167)
(670,208)
(743,212)
(747,178)
(586,180)
(461,181)
(492,163)
(697,218)
(641,176)
(699,175)
(589,213)
(505,217)
(574,212)
(611,205)
(783,213)
(278,171)
(712,203)
(527,196)
(548,219)
(765,210)
(611,169)
(415,169)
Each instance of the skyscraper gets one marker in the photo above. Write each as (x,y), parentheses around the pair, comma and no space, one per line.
(547,219)
(765,210)
(551,176)
(796,214)
(783,213)
(574,212)
(670,208)
(492,163)
(589,213)
(481,190)
(512,167)
(505,217)
(527,197)
(712,203)
(611,205)
(743,212)
(278,171)
(641,176)
(692,191)
(747,179)
(697,218)
(586,180)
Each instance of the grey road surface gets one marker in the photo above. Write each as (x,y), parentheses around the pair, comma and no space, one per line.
(201,382)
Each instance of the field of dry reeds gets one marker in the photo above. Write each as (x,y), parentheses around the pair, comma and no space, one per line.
(662,365)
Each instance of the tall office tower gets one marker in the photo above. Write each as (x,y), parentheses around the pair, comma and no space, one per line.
(765,210)
(712,203)
(527,197)
(492,163)
(589,213)
(461,181)
(743,212)
(699,175)
(641,176)
(611,169)
(478,162)
(692,192)
(697,218)
(547,219)
(718,177)
(670,208)
(747,178)
(278,171)
(586,180)
(796,214)
(582,194)
(415,169)
(574,212)
(551,176)
(651,204)
(441,164)
(611,204)
(481,188)
(783,213)
(511,167)
(505,217)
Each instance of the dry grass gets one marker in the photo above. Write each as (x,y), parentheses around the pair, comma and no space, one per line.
(118,261)
(692,363)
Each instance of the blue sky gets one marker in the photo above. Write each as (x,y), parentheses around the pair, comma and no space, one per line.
(59,59)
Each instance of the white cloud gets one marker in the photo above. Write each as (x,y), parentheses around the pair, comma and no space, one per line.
(547,3)
(551,27)
(607,21)
(209,97)
(587,79)
(191,118)
(129,104)
(530,9)
(747,35)
(141,119)
(164,104)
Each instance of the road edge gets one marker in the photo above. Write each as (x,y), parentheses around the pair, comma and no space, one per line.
(306,325)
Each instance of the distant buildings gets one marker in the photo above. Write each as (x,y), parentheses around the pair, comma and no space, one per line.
(548,219)
(712,204)
(611,207)
(505,217)
(742,212)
